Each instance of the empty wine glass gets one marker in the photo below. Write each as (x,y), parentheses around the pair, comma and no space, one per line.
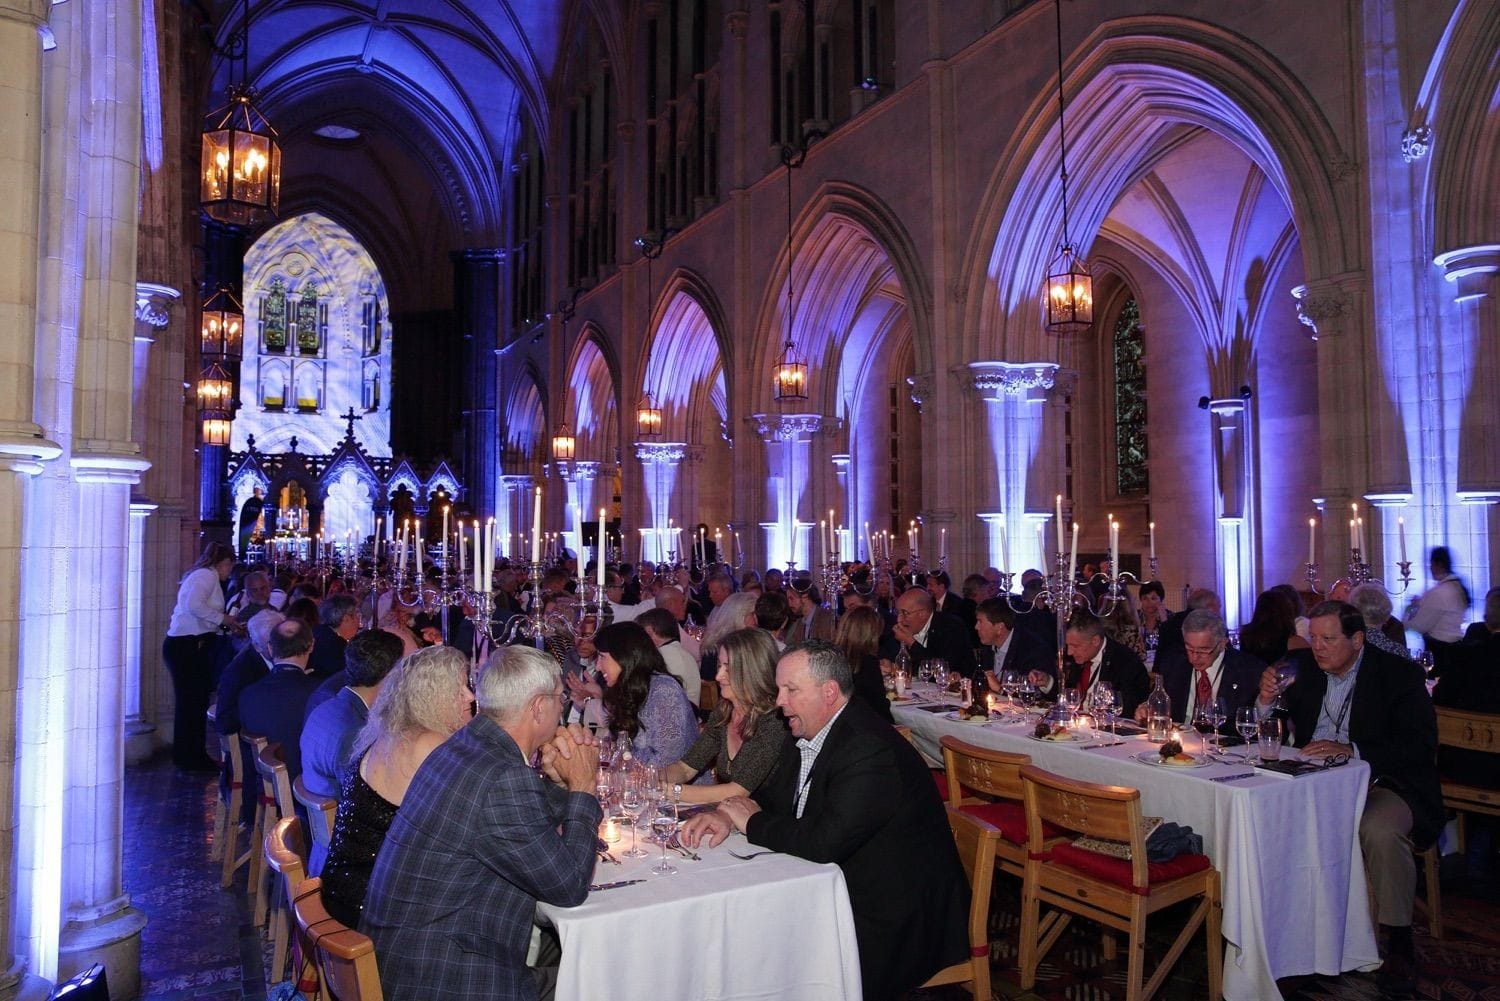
(1286,674)
(631,804)
(663,830)
(1103,703)
(1218,711)
(1247,724)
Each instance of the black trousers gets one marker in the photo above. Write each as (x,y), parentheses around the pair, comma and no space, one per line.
(190,660)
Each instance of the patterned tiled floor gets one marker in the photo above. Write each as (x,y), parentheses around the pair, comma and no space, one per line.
(199,942)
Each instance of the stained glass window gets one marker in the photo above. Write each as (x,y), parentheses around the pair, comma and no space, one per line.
(1131,453)
(273,319)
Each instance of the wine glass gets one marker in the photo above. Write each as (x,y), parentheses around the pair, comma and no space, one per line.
(1203,722)
(1103,703)
(1010,684)
(1247,724)
(632,803)
(1219,713)
(1286,674)
(663,829)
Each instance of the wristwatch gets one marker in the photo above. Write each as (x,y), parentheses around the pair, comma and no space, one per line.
(676,790)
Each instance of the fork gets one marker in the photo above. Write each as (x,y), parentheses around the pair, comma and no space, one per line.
(750,855)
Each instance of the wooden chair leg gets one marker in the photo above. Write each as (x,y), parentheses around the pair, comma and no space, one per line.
(1109,946)
(278,943)
(1030,939)
(1214,933)
(231,857)
(1135,964)
(221,831)
(1432,865)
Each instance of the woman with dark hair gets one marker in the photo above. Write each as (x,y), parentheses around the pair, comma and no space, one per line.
(189,650)
(858,636)
(1272,627)
(641,699)
(742,742)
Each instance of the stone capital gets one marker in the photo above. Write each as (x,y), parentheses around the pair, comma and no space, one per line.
(738,22)
(25,452)
(1416,142)
(654,453)
(107,468)
(994,380)
(153,305)
(1324,304)
(514,482)
(922,386)
(794,427)
(1471,271)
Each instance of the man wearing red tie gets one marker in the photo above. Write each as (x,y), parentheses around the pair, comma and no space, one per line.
(1093,657)
(1205,669)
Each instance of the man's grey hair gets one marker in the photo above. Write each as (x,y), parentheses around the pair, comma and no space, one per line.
(334,607)
(1203,620)
(513,677)
(255,577)
(1372,603)
(259,627)
(1203,597)
(825,662)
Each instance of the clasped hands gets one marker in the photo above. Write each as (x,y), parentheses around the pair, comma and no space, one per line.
(710,829)
(569,758)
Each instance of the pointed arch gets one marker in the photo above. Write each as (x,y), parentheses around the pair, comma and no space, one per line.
(684,364)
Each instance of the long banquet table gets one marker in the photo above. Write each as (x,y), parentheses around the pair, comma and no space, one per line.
(1287,849)
(721,929)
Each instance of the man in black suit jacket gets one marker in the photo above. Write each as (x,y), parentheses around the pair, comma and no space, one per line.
(995,621)
(1232,676)
(1093,657)
(338,621)
(947,602)
(1350,698)
(1169,633)
(274,706)
(927,634)
(850,790)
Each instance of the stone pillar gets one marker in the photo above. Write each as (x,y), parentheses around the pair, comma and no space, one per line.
(513,514)
(789,439)
(476,295)
(1234,506)
(139,728)
(1014,397)
(1050,474)
(659,461)
(1389,540)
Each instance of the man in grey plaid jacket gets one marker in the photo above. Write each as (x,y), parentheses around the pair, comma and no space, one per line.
(480,838)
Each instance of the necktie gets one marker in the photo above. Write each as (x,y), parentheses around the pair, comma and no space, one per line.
(1204,694)
(1085,677)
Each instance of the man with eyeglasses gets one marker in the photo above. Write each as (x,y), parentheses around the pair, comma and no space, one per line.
(1352,699)
(929,634)
(1206,669)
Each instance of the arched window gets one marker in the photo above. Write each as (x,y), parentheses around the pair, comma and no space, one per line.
(309,338)
(371,390)
(273,319)
(1129,351)
(309,387)
(273,380)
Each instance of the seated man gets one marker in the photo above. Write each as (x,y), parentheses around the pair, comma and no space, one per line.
(1207,668)
(329,731)
(849,789)
(927,633)
(1004,648)
(276,705)
(1093,657)
(480,838)
(1349,698)
(338,621)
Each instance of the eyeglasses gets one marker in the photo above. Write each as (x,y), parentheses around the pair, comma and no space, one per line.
(1334,760)
(1202,651)
(902,613)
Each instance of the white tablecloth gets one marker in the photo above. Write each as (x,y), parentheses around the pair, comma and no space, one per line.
(1287,849)
(766,929)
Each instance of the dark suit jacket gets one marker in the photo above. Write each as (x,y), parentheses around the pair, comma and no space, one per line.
(823,627)
(1391,723)
(872,809)
(1120,667)
(479,839)
(274,708)
(1239,683)
(244,670)
(1169,633)
(948,638)
(1025,653)
(960,607)
(327,655)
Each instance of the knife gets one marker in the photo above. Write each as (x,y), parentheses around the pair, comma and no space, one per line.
(611,886)
(1231,778)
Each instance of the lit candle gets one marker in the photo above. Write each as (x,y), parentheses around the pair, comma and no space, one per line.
(601,555)
(1114,548)
(1363,548)
(611,829)
(536,527)
(1041,544)
(1312,540)
(444,548)
(943,543)
(718,545)
(1353,538)
(736,537)
(1059,523)
(823,540)
(1004,546)
(1073,553)
(478,559)
(869,545)
(489,554)
(419,560)
(916,541)
(1152,529)
(1401,536)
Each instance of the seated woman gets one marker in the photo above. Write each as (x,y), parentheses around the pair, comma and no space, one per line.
(1272,629)
(425,699)
(858,637)
(742,742)
(641,699)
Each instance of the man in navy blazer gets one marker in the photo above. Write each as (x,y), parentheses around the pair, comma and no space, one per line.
(1232,676)
(1017,650)
(481,838)
(851,790)
(927,633)
(274,707)
(1093,657)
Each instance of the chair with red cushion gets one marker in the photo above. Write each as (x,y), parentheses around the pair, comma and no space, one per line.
(1119,893)
(989,788)
(976,847)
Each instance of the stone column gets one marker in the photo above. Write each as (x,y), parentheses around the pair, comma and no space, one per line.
(513,514)
(1234,504)
(139,728)
(789,498)
(659,464)
(476,294)
(1014,397)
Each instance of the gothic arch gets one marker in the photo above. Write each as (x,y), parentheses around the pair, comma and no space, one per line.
(1465,202)
(1134,81)
(684,364)
(592,395)
(846,243)
(525,425)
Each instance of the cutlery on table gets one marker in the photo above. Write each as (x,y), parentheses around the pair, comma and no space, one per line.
(610,886)
(1231,778)
(750,855)
(1095,747)
(685,851)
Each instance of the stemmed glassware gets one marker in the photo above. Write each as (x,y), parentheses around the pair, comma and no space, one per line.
(1247,725)
(663,830)
(1286,674)
(1219,714)
(1010,685)
(1104,701)
(1203,722)
(631,805)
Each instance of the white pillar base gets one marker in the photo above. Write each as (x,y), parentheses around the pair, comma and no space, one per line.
(114,941)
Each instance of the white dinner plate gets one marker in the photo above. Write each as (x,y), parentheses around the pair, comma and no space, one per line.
(1067,738)
(965,719)
(1155,758)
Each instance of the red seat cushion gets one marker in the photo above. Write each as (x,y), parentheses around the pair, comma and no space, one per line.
(1117,871)
(1009,817)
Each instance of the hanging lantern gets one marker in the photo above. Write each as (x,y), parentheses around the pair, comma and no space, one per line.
(215,404)
(1069,295)
(648,417)
(789,375)
(222,331)
(240,180)
(216,430)
(563,444)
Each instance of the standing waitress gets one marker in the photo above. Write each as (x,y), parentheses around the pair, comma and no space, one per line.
(189,649)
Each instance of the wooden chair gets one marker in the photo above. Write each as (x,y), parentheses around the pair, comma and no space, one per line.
(320,813)
(286,854)
(708,697)
(1465,731)
(977,842)
(255,871)
(226,849)
(346,959)
(986,784)
(1119,894)
(275,802)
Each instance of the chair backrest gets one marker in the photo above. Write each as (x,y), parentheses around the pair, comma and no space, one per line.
(275,784)
(708,696)
(229,746)
(976,842)
(982,770)
(320,812)
(286,851)
(1111,813)
(1471,731)
(346,958)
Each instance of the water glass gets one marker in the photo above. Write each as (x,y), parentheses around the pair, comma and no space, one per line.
(1247,724)
(663,830)
(1270,739)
